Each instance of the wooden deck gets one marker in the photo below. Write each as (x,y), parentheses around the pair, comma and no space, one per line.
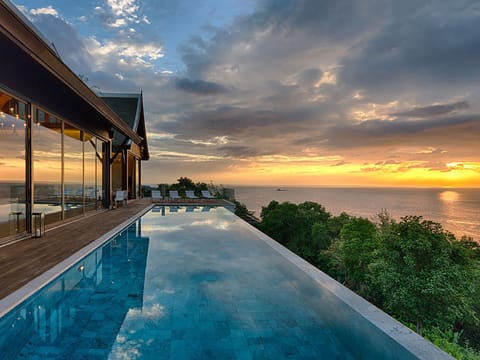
(23,261)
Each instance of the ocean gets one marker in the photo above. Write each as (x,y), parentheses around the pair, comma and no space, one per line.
(457,209)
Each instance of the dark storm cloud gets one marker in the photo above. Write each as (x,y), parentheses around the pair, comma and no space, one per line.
(252,125)
(435,43)
(309,76)
(435,110)
(373,133)
(240,151)
(200,87)
(300,23)
(337,20)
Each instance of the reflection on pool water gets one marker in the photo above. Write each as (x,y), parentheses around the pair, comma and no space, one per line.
(196,283)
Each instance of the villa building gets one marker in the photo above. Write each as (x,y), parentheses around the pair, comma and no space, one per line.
(65,149)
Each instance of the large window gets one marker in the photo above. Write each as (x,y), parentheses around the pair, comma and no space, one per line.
(137,178)
(67,168)
(93,172)
(73,170)
(66,163)
(131,170)
(118,173)
(100,194)
(12,162)
(47,165)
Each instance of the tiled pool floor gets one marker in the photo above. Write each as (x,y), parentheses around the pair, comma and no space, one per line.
(182,286)
(196,282)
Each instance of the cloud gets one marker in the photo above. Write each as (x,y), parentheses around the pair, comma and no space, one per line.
(340,163)
(376,82)
(333,21)
(373,133)
(49,10)
(240,151)
(420,45)
(309,77)
(126,52)
(66,39)
(200,87)
(434,110)
(123,7)
(121,13)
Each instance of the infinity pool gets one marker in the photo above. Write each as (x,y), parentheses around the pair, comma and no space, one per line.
(199,283)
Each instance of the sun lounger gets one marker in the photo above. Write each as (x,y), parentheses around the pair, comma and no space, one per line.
(190,194)
(173,194)
(207,195)
(121,197)
(156,195)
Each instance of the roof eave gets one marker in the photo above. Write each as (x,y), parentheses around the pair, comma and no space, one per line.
(15,26)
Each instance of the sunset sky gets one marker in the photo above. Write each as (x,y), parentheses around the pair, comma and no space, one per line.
(279,92)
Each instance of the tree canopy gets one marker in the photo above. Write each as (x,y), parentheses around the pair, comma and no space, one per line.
(425,273)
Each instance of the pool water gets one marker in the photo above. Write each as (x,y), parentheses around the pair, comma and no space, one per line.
(182,283)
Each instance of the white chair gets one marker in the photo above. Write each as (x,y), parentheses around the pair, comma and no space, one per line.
(207,195)
(120,197)
(156,195)
(190,194)
(173,194)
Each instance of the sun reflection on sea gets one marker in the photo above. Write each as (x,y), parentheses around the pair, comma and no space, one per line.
(449,196)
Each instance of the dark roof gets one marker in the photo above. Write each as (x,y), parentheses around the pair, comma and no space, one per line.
(125,107)
(129,107)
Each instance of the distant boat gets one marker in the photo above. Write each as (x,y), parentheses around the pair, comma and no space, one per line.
(281,189)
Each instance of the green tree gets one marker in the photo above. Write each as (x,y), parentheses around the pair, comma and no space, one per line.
(241,209)
(424,273)
(335,225)
(280,221)
(321,237)
(324,236)
(291,225)
(313,212)
(185,183)
(358,247)
(270,207)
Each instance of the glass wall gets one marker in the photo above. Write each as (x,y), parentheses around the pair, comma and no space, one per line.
(117,173)
(90,147)
(73,170)
(47,165)
(12,162)
(100,155)
(131,177)
(66,162)
(137,178)
(67,172)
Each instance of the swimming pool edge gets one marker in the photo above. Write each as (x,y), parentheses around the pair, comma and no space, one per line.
(18,296)
(402,335)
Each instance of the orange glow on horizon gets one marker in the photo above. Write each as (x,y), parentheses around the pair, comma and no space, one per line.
(398,175)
